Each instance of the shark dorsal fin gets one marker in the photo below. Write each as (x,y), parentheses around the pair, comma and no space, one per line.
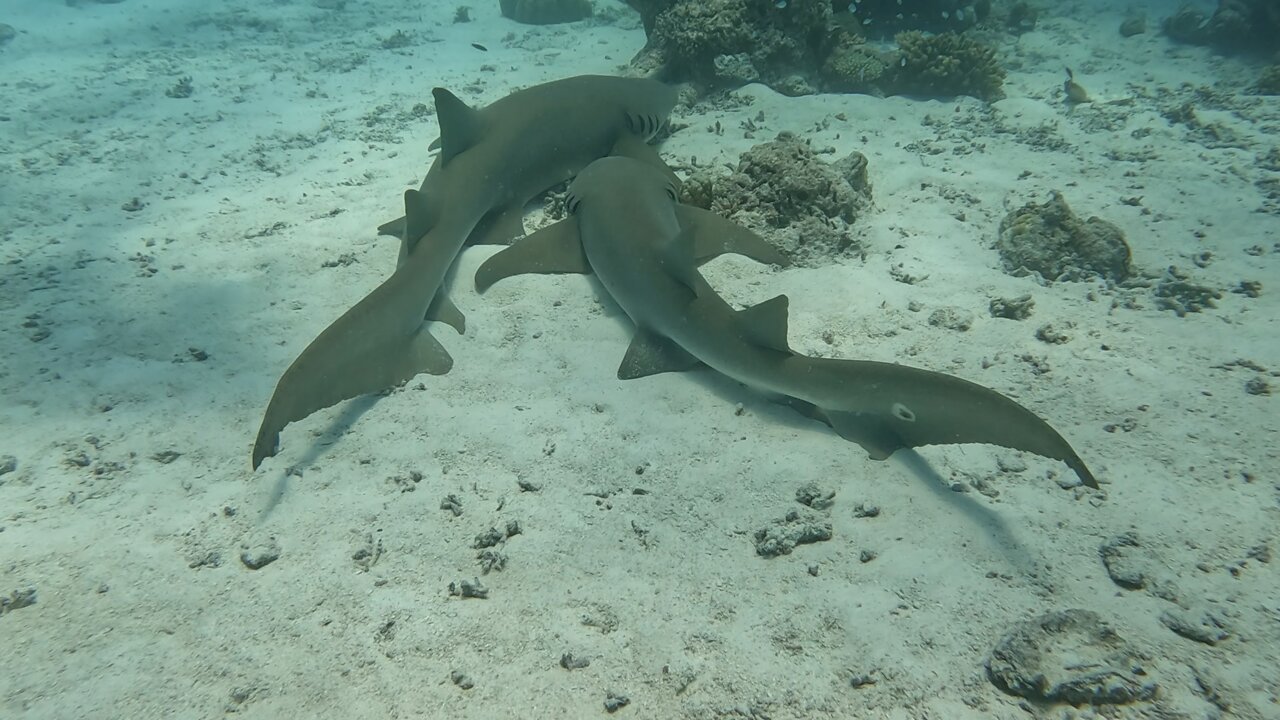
(419,218)
(460,124)
(651,353)
(765,324)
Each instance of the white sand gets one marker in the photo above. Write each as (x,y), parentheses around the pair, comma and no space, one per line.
(280,161)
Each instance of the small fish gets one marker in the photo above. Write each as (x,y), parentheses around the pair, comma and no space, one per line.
(478,46)
(1075,93)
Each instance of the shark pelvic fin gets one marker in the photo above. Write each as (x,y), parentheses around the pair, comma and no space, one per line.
(866,430)
(678,261)
(553,249)
(460,125)
(443,310)
(765,324)
(394,228)
(714,236)
(651,354)
(499,227)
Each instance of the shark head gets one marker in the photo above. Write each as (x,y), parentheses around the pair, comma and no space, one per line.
(617,176)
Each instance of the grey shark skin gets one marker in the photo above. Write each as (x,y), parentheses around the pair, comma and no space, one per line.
(493,161)
(644,248)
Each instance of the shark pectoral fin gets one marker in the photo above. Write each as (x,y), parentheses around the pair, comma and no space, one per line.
(394,228)
(651,354)
(636,148)
(443,310)
(553,249)
(765,324)
(678,262)
(714,236)
(499,227)
(460,125)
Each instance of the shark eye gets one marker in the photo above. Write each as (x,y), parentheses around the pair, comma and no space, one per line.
(671,192)
(571,203)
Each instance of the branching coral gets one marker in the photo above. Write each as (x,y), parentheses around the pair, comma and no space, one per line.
(946,65)
(784,184)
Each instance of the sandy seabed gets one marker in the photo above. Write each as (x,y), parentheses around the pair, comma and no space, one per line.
(165,258)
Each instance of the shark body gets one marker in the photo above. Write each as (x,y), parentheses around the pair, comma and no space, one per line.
(644,247)
(492,162)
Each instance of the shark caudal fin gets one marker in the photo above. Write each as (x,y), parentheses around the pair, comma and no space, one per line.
(379,343)
(908,407)
(341,364)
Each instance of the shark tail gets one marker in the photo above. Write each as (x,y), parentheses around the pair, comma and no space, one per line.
(905,407)
(341,364)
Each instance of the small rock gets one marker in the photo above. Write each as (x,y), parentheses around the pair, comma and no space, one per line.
(1203,626)
(452,504)
(469,589)
(1052,335)
(865,511)
(1117,556)
(1069,657)
(1257,385)
(259,556)
(17,600)
(1133,26)
(8,464)
(461,679)
(815,497)
(488,538)
(952,318)
(614,702)
(491,560)
(785,534)
(1018,308)
(569,662)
